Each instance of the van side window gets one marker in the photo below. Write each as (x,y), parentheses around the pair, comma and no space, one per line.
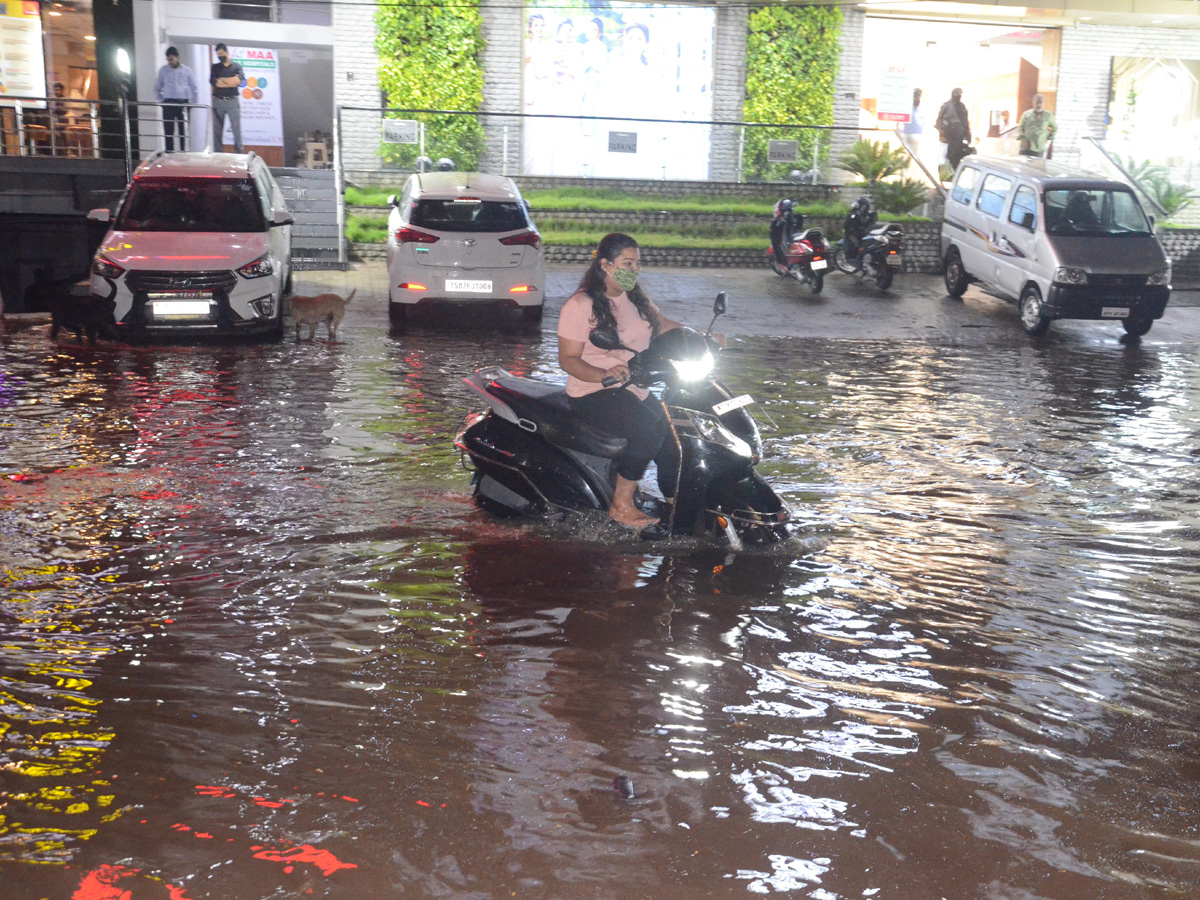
(964,187)
(1024,208)
(991,196)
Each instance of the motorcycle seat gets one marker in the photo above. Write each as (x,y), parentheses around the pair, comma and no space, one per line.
(547,408)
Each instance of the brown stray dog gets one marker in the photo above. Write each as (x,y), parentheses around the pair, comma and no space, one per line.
(312,311)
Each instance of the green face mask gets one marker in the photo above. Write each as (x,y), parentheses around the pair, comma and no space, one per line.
(626,278)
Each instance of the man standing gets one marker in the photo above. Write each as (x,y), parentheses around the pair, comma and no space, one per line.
(915,126)
(954,128)
(176,85)
(1036,128)
(226,79)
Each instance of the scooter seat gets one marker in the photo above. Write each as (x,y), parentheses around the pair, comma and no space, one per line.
(547,408)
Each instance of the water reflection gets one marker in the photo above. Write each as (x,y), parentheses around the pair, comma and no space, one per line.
(258,642)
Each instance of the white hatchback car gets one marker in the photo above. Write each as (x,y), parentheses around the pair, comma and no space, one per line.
(201,245)
(463,238)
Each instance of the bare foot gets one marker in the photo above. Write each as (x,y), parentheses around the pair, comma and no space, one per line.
(631,518)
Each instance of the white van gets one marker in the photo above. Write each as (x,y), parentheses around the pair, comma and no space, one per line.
(1061,243)
(201,245)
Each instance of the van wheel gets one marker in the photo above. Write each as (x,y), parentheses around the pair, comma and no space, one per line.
(1031,312)
(1136,326)
(955,274)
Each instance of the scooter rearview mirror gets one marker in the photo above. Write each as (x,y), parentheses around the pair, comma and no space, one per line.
(718,309)
(606,339)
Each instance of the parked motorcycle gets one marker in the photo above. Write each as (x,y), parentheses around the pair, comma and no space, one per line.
(868,248)
(532,455)
(798,252)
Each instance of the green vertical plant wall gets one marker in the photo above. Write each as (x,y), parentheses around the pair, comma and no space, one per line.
(792,58)
(429,59)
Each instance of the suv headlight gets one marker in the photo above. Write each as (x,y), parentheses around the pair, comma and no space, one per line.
(106,269)
(1069,275)
(1160,278)
(260,268)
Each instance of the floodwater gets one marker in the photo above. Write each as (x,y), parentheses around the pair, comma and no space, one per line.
(257,643)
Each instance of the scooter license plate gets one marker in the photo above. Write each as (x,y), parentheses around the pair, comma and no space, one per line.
(818,264)
(894,260)
(733,403)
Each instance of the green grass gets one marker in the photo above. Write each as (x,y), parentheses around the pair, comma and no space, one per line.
(578,198)
(373,229)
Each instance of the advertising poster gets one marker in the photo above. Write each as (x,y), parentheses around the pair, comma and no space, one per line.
(261,99)
(895,96)
(22,66)
(623,60)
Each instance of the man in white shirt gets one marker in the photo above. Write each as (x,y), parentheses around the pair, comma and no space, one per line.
(176,84)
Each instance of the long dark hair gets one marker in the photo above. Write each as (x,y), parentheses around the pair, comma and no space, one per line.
(610,247)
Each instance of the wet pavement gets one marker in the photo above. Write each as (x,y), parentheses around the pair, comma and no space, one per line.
(257,642)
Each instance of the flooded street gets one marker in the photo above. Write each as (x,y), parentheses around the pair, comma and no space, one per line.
(258,643)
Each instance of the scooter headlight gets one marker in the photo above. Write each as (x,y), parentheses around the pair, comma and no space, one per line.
(693,369)
(714,432)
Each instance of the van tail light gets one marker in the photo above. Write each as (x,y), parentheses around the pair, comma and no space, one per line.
(528,238)
(412,236)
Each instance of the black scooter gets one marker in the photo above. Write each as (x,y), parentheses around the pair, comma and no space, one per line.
(532,455)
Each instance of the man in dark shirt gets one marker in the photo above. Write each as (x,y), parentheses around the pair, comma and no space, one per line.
(226,79)
(954,127)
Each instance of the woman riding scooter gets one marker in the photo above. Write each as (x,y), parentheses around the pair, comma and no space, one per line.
(609,295)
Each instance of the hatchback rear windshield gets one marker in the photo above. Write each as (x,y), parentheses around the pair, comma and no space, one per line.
(469,215)
(1094,212)
(192,204)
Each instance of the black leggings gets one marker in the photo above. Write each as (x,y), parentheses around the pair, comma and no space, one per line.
(643,424)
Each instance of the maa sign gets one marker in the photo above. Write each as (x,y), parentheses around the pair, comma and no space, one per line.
(895,96)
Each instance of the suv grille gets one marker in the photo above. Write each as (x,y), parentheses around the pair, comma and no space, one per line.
(159,282)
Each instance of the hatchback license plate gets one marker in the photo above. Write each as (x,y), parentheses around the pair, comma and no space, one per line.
(734,403)
(818,264)
(894,260)
(1114,312)
(468,287)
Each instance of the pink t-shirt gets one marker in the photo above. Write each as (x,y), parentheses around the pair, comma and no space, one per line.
(575,323)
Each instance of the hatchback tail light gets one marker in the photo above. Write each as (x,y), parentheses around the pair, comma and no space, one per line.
(529,238)
(412,236)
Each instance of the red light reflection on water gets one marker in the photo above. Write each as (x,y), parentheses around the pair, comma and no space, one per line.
(101,884)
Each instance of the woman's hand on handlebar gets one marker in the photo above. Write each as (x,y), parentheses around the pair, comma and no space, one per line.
(618,374)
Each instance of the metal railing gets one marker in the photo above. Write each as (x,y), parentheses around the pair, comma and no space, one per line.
(546,144)
(96,129)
